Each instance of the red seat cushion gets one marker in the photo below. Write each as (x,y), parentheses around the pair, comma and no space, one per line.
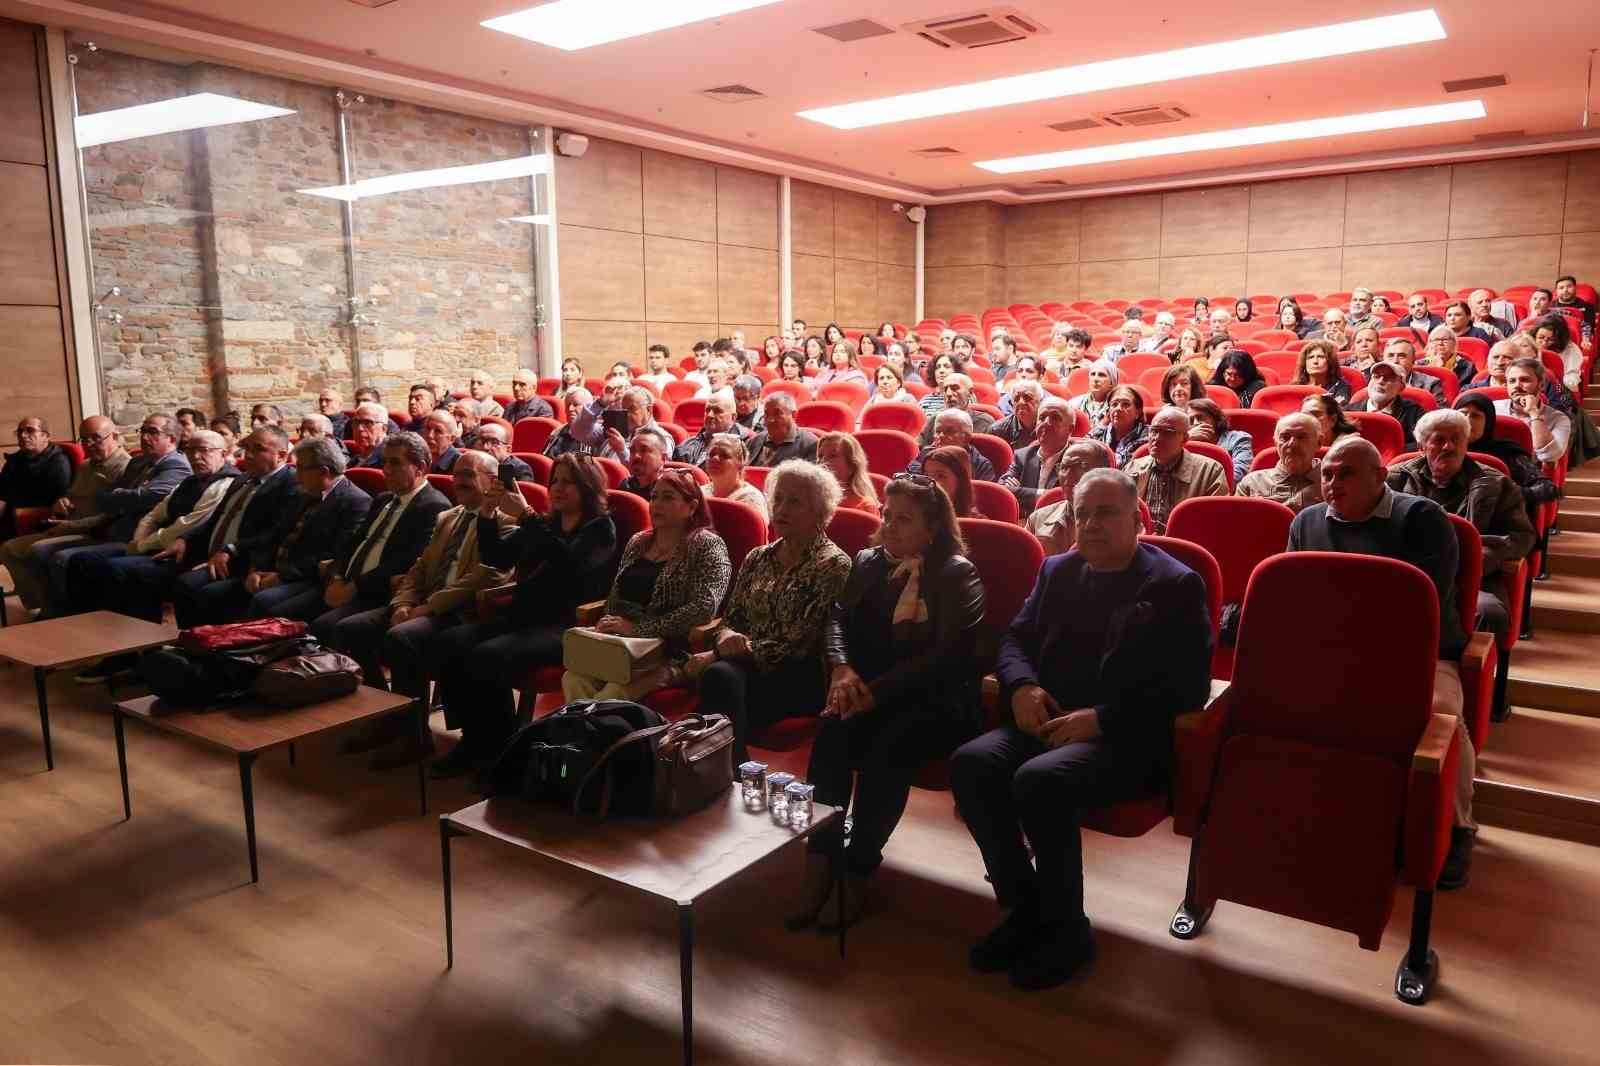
(1133,819)
(673,703)
(786,735)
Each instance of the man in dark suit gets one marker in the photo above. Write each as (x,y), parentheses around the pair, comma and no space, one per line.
(330,509)
(1419,319)
(439,432)
(525,399)
(397,528)
(369,428)
(780,437)
(1036,469)
(241,535)
(953,429)
(420,403)
(1112,644)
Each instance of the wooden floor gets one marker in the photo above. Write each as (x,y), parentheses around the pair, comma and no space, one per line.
(143,942)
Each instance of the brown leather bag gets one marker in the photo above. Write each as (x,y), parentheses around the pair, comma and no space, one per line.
(315,677)
(693,765)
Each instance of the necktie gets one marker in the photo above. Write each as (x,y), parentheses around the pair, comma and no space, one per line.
(296,532)
(235,506)
(378,530)
(458,536)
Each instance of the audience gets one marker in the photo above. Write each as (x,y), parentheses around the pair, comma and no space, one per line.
(1484,318)
(566,440)
(1180,384)
(719,419)
(1458,317)
(725,461)
(956,392)
(1096,403)
(1552,334)
(1536,486)
(525,399)
(1132,335)
(763,662)
(670,581)
(950,468)
(843,365)
(780,437)
(1419,318)
(1124,429)
(1019,426)
(329,510)
(900,650)
(1237,370)
(1112,644)
(952,428)
(1361,314)
(189,420)
(1361,514)
(439,431)
(480,389)
(465,415)
(1208,423)
(35,475)
(890,386)
(1295,480)
(1036,467)
(842,456)
(1364,348)
(369,428)
(492,442)
(1384,389)
(1332,422)
(1170,473)
(648,452)
(1552,430)
(1442,352)
(421,400)
(1052,524)
(1318,364)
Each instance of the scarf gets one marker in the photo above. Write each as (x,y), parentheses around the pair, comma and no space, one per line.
(910,607)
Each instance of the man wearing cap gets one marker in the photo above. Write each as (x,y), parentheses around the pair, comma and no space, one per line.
(1384,389)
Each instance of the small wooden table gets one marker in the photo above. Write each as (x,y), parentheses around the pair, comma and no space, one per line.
(248,729)
(676,859)
(79,638)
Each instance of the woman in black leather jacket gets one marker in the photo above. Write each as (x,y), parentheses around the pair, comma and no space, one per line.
(903,685)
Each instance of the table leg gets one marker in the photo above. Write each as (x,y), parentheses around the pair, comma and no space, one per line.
(291,755)
(424,738)
(44,716)
(122,763)
(246,760)
(686,976)
(446,831)
(838,893)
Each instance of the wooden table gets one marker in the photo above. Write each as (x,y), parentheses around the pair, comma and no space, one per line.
(79,638)
(248,729)
(676,859)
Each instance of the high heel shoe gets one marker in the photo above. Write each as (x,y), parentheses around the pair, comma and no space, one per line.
(816,888)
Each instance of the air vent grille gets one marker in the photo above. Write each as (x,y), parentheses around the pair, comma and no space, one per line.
(1467,85)
(854,30)
(733,94)
(977,29)
(1158,115)
(1074,125)
(934,153)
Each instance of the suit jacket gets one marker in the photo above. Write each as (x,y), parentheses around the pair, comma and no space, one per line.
(982,469)
(406,541)
(267,518)
(1154,651)
(1197,475)
(446,462)
(803,445)
(321,529)
(425,581)
(341,424)
(1405,411)
(1023,479)
(536,407)
(145,482)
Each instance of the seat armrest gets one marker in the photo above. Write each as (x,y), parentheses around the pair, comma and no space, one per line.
(993,714)
(30,519)
(490,601)
(1430,802)
(1196,741)
(700,637)
(1478,665)
(589,613)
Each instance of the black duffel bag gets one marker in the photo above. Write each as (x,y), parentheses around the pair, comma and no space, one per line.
(183,678)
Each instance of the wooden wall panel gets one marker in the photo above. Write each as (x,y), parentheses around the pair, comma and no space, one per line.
(1394,266)
(1317,270)
(1203,275)
(598,343)
(855,226)
(604,189)
(1297,214)
(811,289)
(21,111)
(1506,197)
(747,284)
(680,280)
(1123,227)
(27,240)
(964,235)
(897,293)
(1582,213)
(747,208)
(1580,255)
(1039,284)
(1389,206)
(1037,234)
(602,274)
(34,352)
(952,290)
(1469,264)
(855,292)
(754,332)
(680,197)
(1206,222)
(1112,279)
(897,237)
(810,218)
(679,337)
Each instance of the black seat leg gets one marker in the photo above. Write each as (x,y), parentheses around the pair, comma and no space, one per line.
(1419,969)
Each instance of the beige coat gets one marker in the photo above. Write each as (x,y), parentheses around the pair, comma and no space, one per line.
(1196,475)
(424,582)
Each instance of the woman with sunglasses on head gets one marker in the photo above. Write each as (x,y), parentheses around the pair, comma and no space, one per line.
(900,652)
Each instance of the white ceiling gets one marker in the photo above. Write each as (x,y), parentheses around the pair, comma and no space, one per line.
(650,85)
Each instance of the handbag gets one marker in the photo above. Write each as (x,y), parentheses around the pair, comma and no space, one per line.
(314,676)
(692,765)
(610,657)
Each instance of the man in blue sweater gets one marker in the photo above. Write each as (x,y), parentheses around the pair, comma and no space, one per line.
(1111,646)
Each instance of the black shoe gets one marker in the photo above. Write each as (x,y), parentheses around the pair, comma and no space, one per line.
(1006,941)
(1457,864)
(460,761)
(108,670)
(1054,957)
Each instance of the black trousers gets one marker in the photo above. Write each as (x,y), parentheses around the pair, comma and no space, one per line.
(199,601)
(754,699)
(1008,783)
(477,664)
(1493,616)
(883,748)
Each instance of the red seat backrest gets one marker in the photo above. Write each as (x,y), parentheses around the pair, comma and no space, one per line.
(531,434)
(801,393)
(995,449)
(446,484)
(740,526)
(1280,362)
(1008,558)
(74,452)
(1447,379)
(905,417)
(852,394)
(826,416)
(853,530)
(1283,399)
(1382,430)
(629,513)
(1130,367)
(540,464)
(1201,561)
(1222,396)
(700,476)
(678,391)
(995,501)
(679,434)
(690,414)
(616,473)
(368,479)
(1238,531)
(537,497)
(888,450)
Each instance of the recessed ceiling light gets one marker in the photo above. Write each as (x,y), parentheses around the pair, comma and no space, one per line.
(1336,126)
(574,24)
(499,170)
(1248,53)
(169,116)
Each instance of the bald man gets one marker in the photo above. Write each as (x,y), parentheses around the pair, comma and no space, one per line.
(525,399)
(1295,480)
(1053,523)
(1361,514)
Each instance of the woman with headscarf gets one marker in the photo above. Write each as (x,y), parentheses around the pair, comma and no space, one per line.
(1095,404)
(1525,469)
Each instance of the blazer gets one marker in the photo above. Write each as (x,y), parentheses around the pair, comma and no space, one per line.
(145,482)
(803,445)
(1023,477)
(321,529)
(943,673)
(267,519)
(534,407)
(1155,657)
(424,583)
(406,541)
(446,462)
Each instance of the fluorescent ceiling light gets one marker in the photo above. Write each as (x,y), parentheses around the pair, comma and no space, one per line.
(1249,53)
(500,169)
(170,116)
(574,24)
(532,220)
(1337,126)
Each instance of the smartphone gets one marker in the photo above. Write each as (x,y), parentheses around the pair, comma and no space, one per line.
(615,419)
(508,479)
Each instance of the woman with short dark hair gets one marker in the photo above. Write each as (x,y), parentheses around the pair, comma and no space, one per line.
(1237,370)
(902,688)
(1180,384)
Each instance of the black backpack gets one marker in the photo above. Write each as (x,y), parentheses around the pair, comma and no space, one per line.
(547,760)
(183,678)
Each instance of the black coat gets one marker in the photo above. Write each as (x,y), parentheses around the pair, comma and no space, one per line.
(268,517)
(535,407)
(803,445)
(555,573)
(321,529)
(35,480)
(406,542)
(1023,478)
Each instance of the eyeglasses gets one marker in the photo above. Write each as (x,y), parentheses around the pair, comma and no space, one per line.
(86,441)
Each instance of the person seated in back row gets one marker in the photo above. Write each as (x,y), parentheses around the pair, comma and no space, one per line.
(35,475)
(780,437)
(328,512)
(952,428)
(1111,646)
(1295,480)
(1170,473)
(525,399)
